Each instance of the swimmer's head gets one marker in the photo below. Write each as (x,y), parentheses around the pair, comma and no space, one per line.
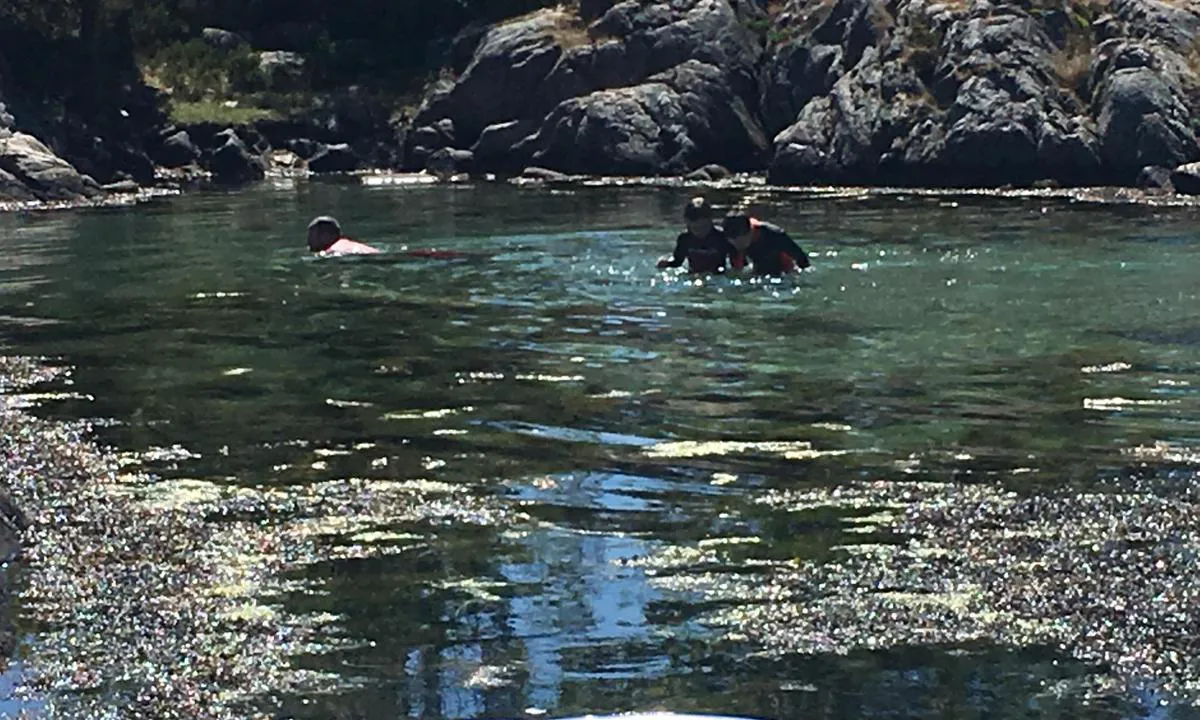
(698,215)
(737,228)
(323,232)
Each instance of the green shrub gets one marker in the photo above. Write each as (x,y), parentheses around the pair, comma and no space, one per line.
(195,71)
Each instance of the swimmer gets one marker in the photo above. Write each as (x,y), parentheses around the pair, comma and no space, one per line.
(325,238)
(703,244)
(768,246)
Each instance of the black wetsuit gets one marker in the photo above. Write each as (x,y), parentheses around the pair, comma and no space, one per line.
(704,255)
(773,252)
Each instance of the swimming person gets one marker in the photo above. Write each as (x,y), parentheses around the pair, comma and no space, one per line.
(703,244)
(325,237)
(768,246)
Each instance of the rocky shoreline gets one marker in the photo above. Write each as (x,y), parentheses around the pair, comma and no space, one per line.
(907,93)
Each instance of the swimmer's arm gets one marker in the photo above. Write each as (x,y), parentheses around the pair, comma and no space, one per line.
(677,257)
(791,248)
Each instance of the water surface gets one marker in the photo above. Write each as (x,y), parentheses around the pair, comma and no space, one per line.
(549,478)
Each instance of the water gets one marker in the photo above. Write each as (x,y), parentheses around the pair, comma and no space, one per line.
(549,478)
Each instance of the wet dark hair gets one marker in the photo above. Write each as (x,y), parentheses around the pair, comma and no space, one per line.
(697,209)
(736,224)
(324,222)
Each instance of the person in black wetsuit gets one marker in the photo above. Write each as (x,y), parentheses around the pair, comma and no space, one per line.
(768,246)
(702,245)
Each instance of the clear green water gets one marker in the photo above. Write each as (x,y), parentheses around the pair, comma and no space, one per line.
(532,389)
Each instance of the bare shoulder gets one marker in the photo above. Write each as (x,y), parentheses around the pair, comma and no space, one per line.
(346,246)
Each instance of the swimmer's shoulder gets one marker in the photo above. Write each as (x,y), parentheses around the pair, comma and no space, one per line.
(346,246)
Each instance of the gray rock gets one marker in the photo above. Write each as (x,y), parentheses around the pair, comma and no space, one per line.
(590,10)
(448,161)
(794,75)
(232,163)
(222,39)
(177,150)
(13,189)
(121,187)
(338,158)
(1144,120)
(1186,179)
(304,148)
(531,74)
(680,119)
(1158,178)
(501,81)
(544,174)
(425,140)
(497,147)
(709,173)
(283,70)
(1070,152)
(435,136)
(45,174)
(933,95)
(1176,24)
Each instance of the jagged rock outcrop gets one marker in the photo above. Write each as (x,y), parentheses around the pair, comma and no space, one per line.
(32,171)
(232,161)
(981,93)
(644,88)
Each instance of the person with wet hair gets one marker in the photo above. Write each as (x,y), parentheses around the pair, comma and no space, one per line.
(325,238)
(702,245)
(771,250)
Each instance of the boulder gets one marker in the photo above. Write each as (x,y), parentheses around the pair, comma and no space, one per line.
(233,164)
(544,175)
(1155,178)
(449,161)
(647,88)
(679,120)
(44,173)
(283,70)
(177,150)
(338,158)
(1186,179)
(222,39)
(500,83)
(497,147)
(121,187)
(1173,24)
(590,10)
(934,95)
(709,173)
(304,148)
(13,189)
(425,140)
(1143,115)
